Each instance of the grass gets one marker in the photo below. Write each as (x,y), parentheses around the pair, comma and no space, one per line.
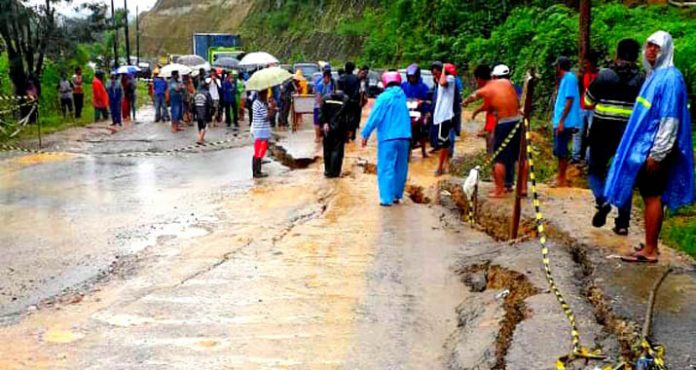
(52,120)
(545,164)
(679,230)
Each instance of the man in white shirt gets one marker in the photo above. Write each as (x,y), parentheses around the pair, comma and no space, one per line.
(443,113)
(214,90)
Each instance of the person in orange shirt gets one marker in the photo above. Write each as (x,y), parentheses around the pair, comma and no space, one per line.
(100,100)
(502,98)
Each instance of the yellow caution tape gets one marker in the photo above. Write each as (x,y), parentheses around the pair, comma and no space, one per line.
(579,351)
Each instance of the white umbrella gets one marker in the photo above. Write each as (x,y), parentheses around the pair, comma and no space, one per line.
(127,70)
(195,69)
(260,58)
(191,60)
(167,70)
(266,78)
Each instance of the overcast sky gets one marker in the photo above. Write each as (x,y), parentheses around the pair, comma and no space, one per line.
(68,8)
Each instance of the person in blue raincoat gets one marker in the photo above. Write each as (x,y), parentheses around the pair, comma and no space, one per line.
(416,90)
(390,117)
(656,151)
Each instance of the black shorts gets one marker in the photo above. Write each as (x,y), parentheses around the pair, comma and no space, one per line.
(511,152)
(201,123)
(443,134)
(654,184)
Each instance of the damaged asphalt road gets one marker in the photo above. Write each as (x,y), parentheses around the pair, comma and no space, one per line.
(183,261)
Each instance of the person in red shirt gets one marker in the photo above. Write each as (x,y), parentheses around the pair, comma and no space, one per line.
(588,74)
(78,92)
(100,100)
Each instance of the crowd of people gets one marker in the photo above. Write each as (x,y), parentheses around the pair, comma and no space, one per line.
(628,125)
(631,128)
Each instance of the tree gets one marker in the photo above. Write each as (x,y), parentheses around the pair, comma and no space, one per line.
(26,31)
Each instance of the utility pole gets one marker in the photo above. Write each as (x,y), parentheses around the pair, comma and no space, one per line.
(137,35)
(128,53)
(585,22)
(113,24)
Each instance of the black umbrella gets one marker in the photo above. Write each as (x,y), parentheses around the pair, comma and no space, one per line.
(227,63)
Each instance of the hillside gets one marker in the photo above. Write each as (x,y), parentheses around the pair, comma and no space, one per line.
(168,27)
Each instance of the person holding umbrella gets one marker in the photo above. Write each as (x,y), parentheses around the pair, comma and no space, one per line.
(262,111)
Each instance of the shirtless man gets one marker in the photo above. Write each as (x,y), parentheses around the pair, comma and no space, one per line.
(502,99)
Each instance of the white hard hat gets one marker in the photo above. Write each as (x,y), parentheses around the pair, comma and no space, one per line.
(501,70)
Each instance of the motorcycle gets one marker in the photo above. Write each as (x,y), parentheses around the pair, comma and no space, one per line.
(419,121)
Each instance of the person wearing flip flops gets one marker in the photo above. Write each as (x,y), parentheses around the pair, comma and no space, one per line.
(656,151)
(566,116)
(501,98)
(203,105)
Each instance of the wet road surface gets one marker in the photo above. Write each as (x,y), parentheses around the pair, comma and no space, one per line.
(203,267)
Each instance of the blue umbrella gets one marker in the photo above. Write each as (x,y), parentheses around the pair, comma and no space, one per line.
(127,70)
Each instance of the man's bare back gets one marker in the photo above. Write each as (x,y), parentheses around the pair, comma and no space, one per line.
(502,98)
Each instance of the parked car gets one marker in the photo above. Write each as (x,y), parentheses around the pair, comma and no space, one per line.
(145,69)
(373,84)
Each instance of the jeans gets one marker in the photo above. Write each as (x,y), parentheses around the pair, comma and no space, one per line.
(65,106)
(604,139)
(579,137)
(597,185)
(161,112)
(230,113)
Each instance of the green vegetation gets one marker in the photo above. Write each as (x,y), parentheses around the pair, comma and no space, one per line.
(679,230)
(531,36)
(50,116)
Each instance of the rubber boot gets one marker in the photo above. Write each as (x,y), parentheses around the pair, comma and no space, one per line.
(256,167)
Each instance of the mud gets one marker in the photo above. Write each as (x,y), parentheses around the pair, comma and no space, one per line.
(293,271)
(417,194)
(281,154)
(613,291)
(513,289)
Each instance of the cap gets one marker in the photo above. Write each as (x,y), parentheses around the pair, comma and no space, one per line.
(501,70)
(450,69)
(563,63)
(412,70)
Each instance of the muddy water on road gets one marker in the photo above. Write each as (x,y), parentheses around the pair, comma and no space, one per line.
(297,272)
(65,218)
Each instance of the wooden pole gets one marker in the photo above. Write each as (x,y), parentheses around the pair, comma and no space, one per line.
(137,35)
(584,34)
(113,24)
(128,51)
(522,168)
